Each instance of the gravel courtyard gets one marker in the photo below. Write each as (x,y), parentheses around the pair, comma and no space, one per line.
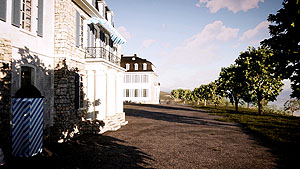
(160,136)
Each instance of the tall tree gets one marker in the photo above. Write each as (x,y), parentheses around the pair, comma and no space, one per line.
(263,83)
(232,84)
(285,42)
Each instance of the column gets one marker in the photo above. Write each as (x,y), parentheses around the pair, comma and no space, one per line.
(90,93)
(101,94)
(110,94)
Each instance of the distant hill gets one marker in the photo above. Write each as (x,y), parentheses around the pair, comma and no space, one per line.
(164,95)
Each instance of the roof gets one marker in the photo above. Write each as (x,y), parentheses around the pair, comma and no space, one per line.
(132,60)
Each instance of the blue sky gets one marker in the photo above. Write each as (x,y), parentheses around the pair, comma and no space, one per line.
(190,40)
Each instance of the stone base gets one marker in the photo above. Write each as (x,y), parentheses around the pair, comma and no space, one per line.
(113,123)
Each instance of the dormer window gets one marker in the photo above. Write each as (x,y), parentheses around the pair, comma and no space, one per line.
(145,66)
(127,66)
(136,66)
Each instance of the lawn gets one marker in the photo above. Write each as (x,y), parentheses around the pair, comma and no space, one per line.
(279,132)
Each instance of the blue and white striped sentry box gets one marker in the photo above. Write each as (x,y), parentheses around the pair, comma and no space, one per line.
(27,126)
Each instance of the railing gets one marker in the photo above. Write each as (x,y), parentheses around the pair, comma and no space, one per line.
(100,52)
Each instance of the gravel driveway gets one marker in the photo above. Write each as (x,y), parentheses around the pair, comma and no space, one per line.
(159,136)
(182,137)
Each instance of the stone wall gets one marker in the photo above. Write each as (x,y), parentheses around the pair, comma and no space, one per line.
(69,121)
(5,89)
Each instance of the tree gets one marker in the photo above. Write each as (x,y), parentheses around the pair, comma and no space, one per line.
(292,105)
(263,83)
(215,98)
(285,42)
(232,84)
(204,93)
(175,94)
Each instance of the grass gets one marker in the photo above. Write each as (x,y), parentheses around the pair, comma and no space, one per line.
(279,132)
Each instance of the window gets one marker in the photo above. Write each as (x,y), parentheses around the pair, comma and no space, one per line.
(126,92)
(27,75)
(145,66)
(127,66)
(127,79)
(136,78)
(136,66)
(26,15)
(145,79)
(145,92)
(136,92)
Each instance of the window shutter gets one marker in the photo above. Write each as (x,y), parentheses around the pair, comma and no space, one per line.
(93,37)
(77,29)
(88,36)
(77,89)
(3,10)
(16,6)
(40,18)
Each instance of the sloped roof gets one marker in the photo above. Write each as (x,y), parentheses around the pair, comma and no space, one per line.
(132,60)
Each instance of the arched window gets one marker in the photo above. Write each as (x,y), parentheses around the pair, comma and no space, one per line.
(136,66)
(145,66)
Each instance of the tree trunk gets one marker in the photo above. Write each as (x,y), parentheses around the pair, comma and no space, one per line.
(205,102)
(260,106)
(236,103)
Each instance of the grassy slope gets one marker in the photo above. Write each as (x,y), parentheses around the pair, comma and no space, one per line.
(280,133)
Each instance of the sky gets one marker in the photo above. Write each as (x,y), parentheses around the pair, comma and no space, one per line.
(189,41)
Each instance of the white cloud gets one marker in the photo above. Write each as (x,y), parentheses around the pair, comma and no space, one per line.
(197,60)
(252,33)
(147,42)
(232,5)
(123,31)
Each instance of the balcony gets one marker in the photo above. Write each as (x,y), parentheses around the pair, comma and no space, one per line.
(102,53)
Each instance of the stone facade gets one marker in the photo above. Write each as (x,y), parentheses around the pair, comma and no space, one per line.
(5,88)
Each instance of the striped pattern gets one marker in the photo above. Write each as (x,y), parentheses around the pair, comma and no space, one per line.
(116,37)
(27,126)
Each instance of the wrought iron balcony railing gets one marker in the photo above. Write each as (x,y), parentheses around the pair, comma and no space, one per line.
(100,52)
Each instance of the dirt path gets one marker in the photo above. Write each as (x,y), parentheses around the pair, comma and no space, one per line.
(182,137)
(158,136)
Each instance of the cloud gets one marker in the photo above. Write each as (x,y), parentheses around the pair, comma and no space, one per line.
(197,60)
(232,5)
(147,43)
(252,33)
(123,31)
(163,26)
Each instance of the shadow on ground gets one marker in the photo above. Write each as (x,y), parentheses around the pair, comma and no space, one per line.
(86,151)
(177,118)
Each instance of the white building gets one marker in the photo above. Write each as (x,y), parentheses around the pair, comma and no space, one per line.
(27,46)
(141,83)
(70,51)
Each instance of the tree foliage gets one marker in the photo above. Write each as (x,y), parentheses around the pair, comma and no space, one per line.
(232,84)
(263,83)
(292,105)
(285,42)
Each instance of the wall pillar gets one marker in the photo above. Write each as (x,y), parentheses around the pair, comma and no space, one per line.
(111,94)
(101,94)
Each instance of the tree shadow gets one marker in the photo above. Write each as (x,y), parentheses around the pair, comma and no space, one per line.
(169,107)
(87,151)
(175,118)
